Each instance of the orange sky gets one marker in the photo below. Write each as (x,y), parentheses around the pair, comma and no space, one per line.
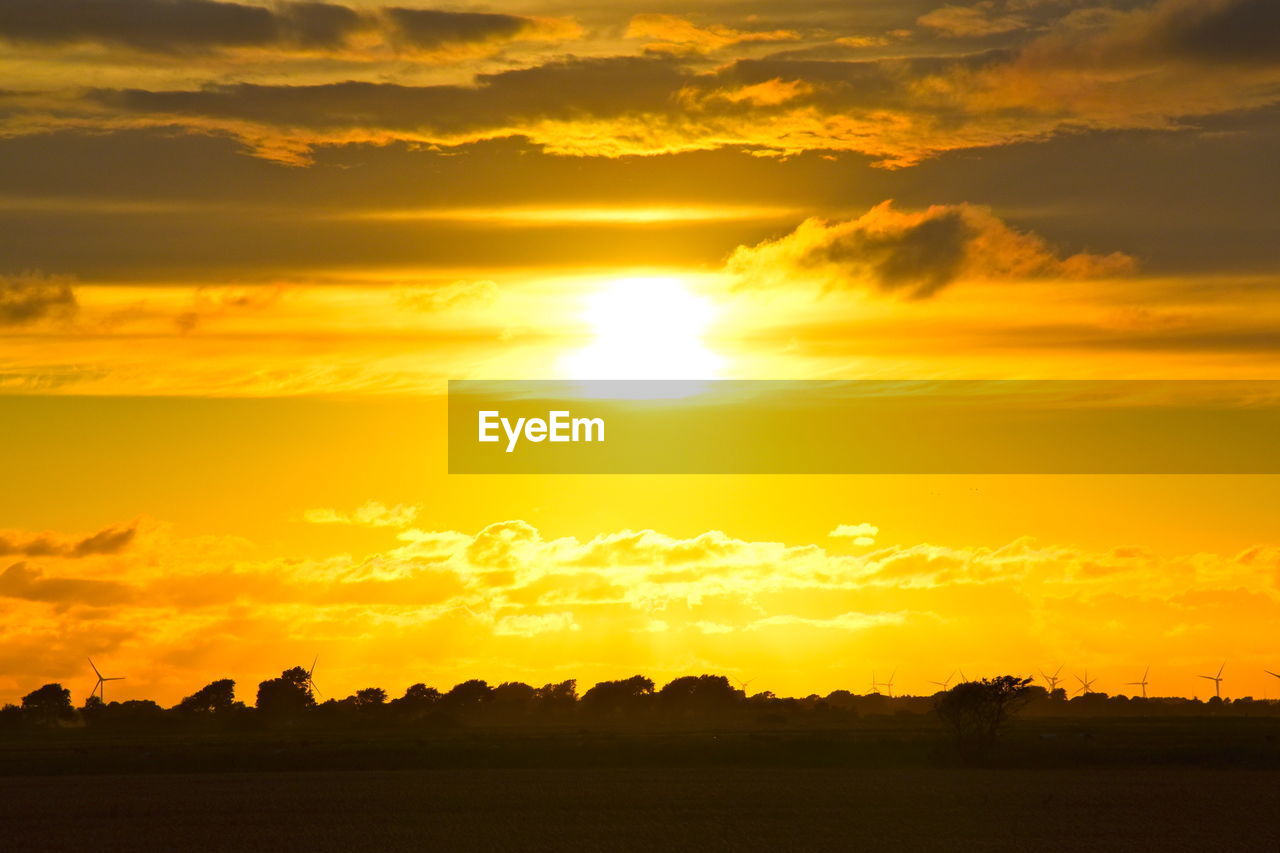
(241,260)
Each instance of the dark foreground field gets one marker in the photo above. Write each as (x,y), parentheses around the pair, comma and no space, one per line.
(462,809)
(890,783)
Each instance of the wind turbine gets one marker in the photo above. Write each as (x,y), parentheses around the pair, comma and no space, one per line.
(888,684)
(744,684)
(1052,680)
(311,681)
(944,684)
(1086,683)
(1217,680)
(102,679)
(1143,682)
(1273,674)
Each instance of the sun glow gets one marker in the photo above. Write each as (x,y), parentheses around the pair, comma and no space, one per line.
(646,328)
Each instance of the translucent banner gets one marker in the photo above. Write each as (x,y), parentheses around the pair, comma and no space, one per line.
(864,427)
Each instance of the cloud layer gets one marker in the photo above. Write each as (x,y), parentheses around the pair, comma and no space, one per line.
(506,601)
(1153,67)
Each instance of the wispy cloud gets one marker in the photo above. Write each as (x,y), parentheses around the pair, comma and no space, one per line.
(369,514)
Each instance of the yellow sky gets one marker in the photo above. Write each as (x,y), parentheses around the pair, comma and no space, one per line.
(242,261)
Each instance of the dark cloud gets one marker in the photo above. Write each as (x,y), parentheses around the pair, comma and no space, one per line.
(1100,68)
(23,581)
(562,89)
(28,298)
(1226,30)
(111,540)
(916,253)
(153,25)
(431,30)
(179,26)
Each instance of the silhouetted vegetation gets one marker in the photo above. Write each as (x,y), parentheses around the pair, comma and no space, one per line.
(975,712)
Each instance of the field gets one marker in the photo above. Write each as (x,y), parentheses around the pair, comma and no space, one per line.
(648,809)
(887,785)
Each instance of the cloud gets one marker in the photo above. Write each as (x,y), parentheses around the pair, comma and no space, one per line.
(432,299)
(430,30)
(861,534)
(30,298)
(176,26)
(1234,32)
(369,514)
(172,607)
(914,253)
(207,27)
(852,621)
(677,34)
(25,582)
(208,303)
(981,19)
(1155,67)
(110,540)
(531,624)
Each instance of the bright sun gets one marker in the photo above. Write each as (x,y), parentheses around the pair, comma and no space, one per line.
(646,328)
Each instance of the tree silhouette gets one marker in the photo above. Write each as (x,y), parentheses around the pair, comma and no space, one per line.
(558,698)
(514,697)
(618,697)
(214,697)
(48,705)
(977,710)
(467,696)
(417,700)
(699,694)
(288,695)
(370,697)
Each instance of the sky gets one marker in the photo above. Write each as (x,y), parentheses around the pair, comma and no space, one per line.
(244,245)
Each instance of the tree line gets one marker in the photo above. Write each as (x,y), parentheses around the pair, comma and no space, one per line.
(290,699)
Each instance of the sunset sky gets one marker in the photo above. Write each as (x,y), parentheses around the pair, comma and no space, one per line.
(243,247)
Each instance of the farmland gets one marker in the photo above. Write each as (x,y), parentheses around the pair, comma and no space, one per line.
(1095,784)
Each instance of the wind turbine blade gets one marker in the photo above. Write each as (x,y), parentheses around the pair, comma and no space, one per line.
(95,669)
(1221,668)
(1269,672)
(313,665)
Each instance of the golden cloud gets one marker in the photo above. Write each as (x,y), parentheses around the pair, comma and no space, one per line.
(677,34)
(531,604)
(981,19)
(368,514)
(1154,68)
(916,253)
